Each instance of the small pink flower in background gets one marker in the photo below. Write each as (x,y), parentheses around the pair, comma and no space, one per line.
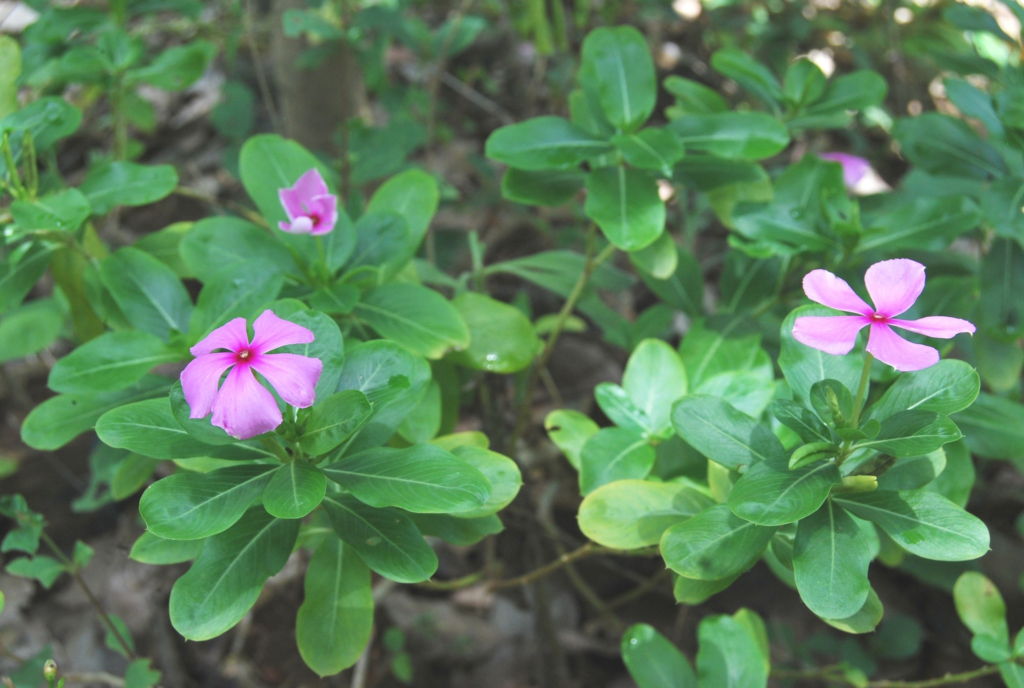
(311,207)
(242,406)
(894,286)
(854,167)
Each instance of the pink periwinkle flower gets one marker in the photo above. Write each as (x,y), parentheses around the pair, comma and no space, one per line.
(854,167)
(242,406)
(311,207)
(894,286)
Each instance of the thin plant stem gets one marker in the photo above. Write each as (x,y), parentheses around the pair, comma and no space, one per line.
(258,67)
(591,264)
(248,214)
(640,590)
(834,675)
(862,388)
(73,569)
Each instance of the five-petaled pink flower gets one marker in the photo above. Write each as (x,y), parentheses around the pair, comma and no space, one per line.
(854,167)
(311,207)
(894,286)
(242,406)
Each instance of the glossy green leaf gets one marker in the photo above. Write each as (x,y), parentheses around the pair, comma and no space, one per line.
(658,260)
(227,576)
(913,472)
(912,433)
(734,135)
(923,523)
(731,438)
(653,661)
(694,98)
(692,591)
(542,187)
(423,479)
(17,279)
(192,506)
(153,549)
(147,291)
(614,454)
(416,317)
(980,606)
(216,243)
(616,63)
(334,420)
(655,378)
(386,539)
(238,291)
(630,514)
(127,183)
(382,240)
(335,620)
(803,366)
(946,387)
(624,203)
(30,328)
(865,620)
(745,70)
(729,656)
(650,149)
(800,420)
(413,194)
(684,289)
(501,472)
(940,144)
(570,430)
(178,67)
(929,224)
(543,143)
(501,338)
(61,211)
(993,427)
(461,532)
(268,163)
(830,562)
(110,362)
(714,545)
(294,490)
(620,409)
(769,496)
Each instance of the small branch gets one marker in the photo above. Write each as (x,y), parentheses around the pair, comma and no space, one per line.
(640,590)
(833,674)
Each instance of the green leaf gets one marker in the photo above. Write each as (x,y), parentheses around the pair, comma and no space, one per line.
(803,365)
(714,545)
(694,98)
(946,387)
(268,163)
(199,428)
(337,299)
(386,539)
(383,241)
(654,378)
(49,118)
(989,649)
(729,437)
(460,532)
(501,472)
(692,591)
(800,420)
(149,428)
(543,143)
(630,514)
(335,620)
(423,479)
(153,549)
(57,421)
(684,289)
(865,620)
(772,497)
(176,68)
(501,338)
(942,145)
(191,506)
(30,328)
(912,433)
(414,195)
(44,569)
(416,317)
(617,64)
(424,421)
(393,379)
(659,260)
(650,149)
(570,430)
(10,70)
(227,576)
(215,243)
(110,362)
(165,245)
(804,82)
(238,291)
(62,211)
(1012,674)
(929,224)
(334,420)
(733,135)
(17,279)
(147,291)
(113,643)
(980,606)
(624,203)
(913,472)
(614,454)
(855,91)
(621,410)
(126,183)
(542,187)
(830,562)
(653,661)
(294,490)
(327,345)
(131,475)
(729,656)
(747,72)
(923,523)
(139,675)
(993,427)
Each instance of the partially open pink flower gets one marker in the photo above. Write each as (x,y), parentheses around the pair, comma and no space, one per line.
(242,406)
(311,207)
(894,286)
(854,167)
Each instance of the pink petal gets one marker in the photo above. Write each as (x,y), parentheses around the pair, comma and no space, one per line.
(200,379)
(326,208)
(293,376)
(300,225)
(271,332)
(834,335)
(243,407)
(821,286)
(936,326)
(231,336)
(894,285)
(308,186)
(854,167)
(891,349)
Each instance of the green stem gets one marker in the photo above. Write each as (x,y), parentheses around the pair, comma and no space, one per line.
(834,675)
(275,448)
(120,121)
(862,388)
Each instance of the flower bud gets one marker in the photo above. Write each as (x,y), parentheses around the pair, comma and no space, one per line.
(50,670)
